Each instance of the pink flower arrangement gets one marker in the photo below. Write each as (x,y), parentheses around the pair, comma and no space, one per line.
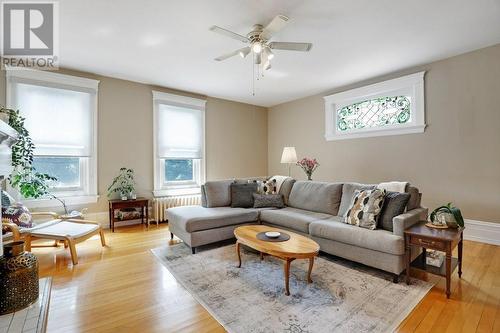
(308,165)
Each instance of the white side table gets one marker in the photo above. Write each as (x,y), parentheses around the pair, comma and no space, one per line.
(32,319)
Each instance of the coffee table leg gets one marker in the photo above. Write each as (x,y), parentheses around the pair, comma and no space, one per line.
(261,256)
(287,277)
(239,255)
(311,263)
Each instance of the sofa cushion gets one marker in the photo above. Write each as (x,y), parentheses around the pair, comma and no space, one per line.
(197,218)
(292,218)
(394,205)
(242,195)
(378,240)
(217,193)
(348,190)
(316,196)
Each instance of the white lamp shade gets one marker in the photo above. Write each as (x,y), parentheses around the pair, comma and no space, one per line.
(289,155)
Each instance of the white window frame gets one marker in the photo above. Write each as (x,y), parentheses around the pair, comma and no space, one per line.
(88,166)
(410,85)
(162,187)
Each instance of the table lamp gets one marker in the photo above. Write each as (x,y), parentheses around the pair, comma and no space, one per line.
(289,156)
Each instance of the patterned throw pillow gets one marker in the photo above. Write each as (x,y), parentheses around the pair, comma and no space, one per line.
(268,200)
(365,208)
(17,214)
(269,187)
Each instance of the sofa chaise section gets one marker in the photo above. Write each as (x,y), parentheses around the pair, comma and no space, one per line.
(197,225)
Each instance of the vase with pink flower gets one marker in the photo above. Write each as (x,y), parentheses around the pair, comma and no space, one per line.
(309,165)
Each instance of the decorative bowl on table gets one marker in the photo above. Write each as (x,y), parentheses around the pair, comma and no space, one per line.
(272,234)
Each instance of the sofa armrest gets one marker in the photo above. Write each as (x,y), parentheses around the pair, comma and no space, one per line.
(404,221)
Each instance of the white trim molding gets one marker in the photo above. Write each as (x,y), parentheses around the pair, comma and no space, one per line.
(484,232)
(88,164)
(53,203)
(159,187)
(410,85)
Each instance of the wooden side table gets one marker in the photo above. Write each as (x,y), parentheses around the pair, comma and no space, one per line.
(141,203)
(444,240)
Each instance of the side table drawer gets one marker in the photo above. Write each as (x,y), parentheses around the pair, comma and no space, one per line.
(428,243)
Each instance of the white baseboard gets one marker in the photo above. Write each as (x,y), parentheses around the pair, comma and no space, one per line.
(484,232)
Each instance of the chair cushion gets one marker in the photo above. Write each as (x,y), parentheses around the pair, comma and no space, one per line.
(348,190)
(64,229)
(378,240)
(292,218)
(197,218)
(316,196)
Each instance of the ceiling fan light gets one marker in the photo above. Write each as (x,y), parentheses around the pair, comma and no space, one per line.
(257,47)
(270,53)
(244,53)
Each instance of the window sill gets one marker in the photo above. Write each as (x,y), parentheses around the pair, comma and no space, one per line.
(376,132)
(177,191)
(70,201)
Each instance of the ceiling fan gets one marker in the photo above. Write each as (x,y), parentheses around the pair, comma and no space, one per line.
(260,44)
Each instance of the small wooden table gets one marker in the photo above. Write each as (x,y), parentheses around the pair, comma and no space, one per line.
(436,239)
(142,203)
(297,247)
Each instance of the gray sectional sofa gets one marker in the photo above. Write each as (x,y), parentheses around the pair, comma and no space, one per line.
(314,209)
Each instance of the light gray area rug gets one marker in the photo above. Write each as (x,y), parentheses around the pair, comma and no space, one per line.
(344,297)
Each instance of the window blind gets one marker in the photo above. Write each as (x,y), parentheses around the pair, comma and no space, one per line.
(180,132)
(59,120)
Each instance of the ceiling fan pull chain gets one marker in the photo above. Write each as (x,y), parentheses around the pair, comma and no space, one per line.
(253,77)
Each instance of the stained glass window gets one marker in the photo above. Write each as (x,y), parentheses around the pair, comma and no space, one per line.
(377,112)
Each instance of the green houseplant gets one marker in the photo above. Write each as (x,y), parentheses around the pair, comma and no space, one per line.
(448,209)
(124,184)
(24,177)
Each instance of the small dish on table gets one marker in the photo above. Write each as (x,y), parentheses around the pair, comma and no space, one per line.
(272,234)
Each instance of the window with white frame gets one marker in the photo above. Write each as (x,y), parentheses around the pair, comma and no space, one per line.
(61,117)
(179,144)
(385,108)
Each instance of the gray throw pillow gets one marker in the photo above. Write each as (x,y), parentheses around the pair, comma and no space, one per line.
(268,200)
(242,195)
(394,205)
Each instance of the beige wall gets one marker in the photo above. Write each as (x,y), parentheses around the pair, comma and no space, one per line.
(457,158)
(236,134)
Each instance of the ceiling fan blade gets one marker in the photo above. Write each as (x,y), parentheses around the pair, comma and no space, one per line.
(228,33)
(290,46)
(244,51)
(278,23)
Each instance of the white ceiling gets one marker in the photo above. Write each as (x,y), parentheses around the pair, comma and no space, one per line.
(168,42)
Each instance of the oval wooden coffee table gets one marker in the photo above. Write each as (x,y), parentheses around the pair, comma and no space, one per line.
(297,247)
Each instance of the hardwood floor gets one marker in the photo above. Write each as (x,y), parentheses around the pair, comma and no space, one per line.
(122,288)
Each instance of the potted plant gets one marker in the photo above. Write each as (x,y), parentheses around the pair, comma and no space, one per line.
(309,166)
(24,177)
(451,215)
(123,184)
